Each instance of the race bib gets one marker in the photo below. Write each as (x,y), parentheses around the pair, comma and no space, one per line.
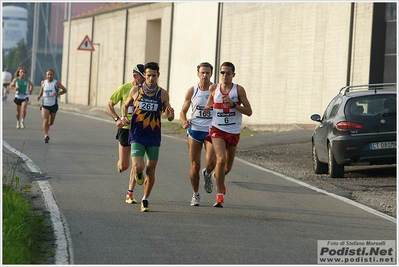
(225,118)
(48,93)
(199,113)
(148,105)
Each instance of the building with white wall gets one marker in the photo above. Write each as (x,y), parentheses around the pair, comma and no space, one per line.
(291,57)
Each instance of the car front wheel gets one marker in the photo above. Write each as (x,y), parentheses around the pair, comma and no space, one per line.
(335,170)
(318,166)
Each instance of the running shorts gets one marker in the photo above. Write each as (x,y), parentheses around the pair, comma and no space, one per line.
(19,102)
(53,108)
(123,136)
(197,135)
(231,139)
(139,150)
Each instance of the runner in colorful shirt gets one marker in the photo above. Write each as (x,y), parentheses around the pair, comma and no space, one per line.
(149,102)
(122,134)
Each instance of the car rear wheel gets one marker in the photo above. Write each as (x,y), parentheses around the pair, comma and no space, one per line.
(335,170)
(318,166)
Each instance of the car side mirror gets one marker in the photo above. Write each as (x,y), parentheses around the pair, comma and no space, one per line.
(315,117)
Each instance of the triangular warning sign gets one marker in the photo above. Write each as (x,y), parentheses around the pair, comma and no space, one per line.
(86,44)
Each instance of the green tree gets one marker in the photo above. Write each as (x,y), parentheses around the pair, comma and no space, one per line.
(17,57)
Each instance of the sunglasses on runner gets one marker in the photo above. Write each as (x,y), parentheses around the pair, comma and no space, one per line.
(226,72)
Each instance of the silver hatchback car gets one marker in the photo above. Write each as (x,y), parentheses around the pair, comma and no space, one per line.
(358,127)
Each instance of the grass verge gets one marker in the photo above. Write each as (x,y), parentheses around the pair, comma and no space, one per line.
(23,230)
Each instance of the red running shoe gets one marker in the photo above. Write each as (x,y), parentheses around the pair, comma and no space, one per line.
(219,201)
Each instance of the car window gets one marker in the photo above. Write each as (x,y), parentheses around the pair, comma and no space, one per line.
(332,108)
(372,105)
(335,107)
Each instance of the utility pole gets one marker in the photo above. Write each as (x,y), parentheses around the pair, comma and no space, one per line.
(34,41)
(68,49)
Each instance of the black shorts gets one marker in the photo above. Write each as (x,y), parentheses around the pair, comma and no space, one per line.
(19,102)
(123,136)
(53,108)
(6,84)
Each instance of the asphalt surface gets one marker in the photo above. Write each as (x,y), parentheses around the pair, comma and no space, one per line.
(267,219)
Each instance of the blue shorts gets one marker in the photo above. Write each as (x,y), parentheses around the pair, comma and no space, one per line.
(198,136)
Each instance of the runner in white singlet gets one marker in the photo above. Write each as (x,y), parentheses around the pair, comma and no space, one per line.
(229,102)
(226,118)
(197,128)
(50,90)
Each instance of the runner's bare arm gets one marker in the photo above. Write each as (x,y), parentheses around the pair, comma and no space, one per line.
(245,106)
(169,111)
(209,103)
(128,102)
(186,105)
(12,84)
(63,89)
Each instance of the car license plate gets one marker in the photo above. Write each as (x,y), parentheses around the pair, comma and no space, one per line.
(383,145)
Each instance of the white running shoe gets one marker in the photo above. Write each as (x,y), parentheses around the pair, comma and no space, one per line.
(22,124)
(208,185)
(17,125)
(195,200)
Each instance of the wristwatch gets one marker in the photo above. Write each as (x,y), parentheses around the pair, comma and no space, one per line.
(116,119)
(234,104)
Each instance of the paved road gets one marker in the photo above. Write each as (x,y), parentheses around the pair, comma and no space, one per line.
(267,219)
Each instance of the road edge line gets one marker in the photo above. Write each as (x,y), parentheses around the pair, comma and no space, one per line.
(63,253)
(344,199)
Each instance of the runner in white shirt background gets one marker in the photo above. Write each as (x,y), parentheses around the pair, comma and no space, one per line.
(197,128)
(23,88)
(50,90)
(6,76)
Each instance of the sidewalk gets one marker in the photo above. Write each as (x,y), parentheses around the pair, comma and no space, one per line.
(274,135)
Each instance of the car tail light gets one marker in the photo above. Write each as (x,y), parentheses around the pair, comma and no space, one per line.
(348,126)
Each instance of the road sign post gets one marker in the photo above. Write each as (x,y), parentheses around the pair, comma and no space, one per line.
(87,45)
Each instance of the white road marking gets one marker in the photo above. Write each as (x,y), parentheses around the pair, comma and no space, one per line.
(344,199)
(63,253)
